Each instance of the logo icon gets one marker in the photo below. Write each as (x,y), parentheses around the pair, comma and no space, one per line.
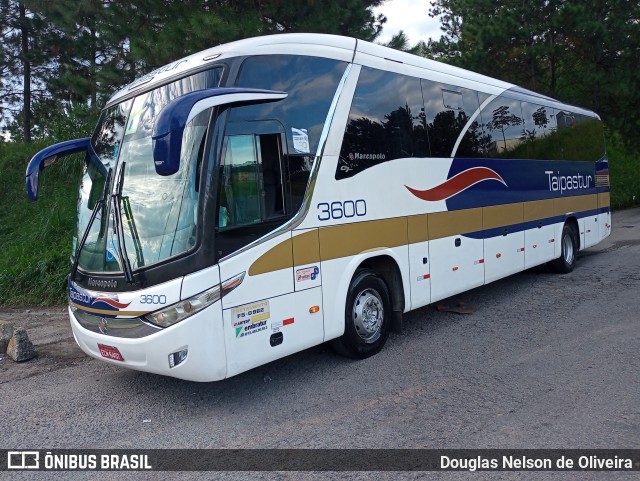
(458,183)
(102,326)
(23,460)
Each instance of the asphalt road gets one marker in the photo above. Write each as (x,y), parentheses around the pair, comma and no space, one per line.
(545,361)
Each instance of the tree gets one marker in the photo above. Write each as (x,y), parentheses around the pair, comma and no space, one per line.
(22,61)
(581,51)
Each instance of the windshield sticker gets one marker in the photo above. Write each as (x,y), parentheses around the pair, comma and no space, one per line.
(310,273)
(111,254)
(134,118)
(300,140)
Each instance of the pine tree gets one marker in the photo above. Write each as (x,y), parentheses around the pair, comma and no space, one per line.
(22,63)
(583,52)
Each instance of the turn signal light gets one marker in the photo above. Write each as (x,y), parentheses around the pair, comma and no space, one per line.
(314,309)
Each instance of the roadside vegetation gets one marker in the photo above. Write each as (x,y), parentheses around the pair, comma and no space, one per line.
(35,236)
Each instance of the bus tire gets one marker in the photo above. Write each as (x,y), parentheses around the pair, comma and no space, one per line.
(367,316)
(568,250)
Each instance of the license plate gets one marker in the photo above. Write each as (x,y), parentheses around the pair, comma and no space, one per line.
(110,352)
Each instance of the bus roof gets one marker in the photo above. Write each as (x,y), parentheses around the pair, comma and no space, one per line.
(330,46)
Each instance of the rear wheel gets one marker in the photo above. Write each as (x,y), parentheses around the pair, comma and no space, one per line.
(568,250)
(367,316)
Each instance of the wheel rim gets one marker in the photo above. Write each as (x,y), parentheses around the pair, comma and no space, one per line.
(368,315)
(567,249)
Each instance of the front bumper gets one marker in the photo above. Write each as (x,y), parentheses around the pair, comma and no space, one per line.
(202,334)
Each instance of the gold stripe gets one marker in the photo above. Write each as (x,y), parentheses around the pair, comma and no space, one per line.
(418,228)
(578,203)
(306,248)
(351,239)
(276,258)
(502,215)
(104,311)
(457,222)
(604,199)
(333,242)
(538,209)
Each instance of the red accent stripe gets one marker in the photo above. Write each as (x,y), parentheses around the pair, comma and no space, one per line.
(111,302)
(286,322)
(426,276)
(457,184)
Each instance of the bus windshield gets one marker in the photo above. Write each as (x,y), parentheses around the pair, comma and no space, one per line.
(158,213)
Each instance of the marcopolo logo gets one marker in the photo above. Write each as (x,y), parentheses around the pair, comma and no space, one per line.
(102,283)
(366,156)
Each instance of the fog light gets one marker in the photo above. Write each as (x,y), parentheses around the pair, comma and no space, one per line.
(176,358)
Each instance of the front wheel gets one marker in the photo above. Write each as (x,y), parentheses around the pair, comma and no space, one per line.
(367,316)
(568,250)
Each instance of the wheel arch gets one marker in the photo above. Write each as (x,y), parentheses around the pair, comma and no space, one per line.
(572,221)
(389,270)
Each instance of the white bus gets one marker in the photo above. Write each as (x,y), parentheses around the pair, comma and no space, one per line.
(271,194)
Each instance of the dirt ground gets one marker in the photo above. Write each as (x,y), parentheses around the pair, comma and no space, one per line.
(50,332)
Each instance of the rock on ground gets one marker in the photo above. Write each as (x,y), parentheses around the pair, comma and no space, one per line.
(6,333)
(20,348)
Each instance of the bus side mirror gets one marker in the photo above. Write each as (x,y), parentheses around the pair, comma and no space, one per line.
(48,156)
(169,126)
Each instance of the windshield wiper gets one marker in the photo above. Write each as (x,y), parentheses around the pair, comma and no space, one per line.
(94,213)
(122,251)
(128,213)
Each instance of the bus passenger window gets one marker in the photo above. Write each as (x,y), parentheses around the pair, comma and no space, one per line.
(239,202)
(386,122)
(250,185)
(504,127)
(447,111)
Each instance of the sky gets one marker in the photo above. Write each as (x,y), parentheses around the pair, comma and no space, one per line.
(412,16)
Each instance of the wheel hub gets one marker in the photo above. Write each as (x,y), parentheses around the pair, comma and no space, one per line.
(567,249)
(368,315)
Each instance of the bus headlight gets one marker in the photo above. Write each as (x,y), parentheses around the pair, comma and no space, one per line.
(181,310)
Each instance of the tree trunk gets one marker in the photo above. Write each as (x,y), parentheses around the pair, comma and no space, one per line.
(26,64)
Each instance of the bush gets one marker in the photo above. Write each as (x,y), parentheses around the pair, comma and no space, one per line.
(624,173)
(35,236)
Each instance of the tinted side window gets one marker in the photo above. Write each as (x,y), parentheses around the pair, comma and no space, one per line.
(578,137)
(588,136)
(538,128)
(504,125)
(311,83)
(386,122)
(551,134)
(447,110)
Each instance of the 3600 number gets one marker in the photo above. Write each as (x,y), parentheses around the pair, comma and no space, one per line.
(338,210)
(153,299)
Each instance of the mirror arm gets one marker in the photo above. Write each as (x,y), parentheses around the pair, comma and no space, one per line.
(48,156)
(173,118)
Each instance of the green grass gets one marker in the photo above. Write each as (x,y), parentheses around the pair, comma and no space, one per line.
(35,237)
